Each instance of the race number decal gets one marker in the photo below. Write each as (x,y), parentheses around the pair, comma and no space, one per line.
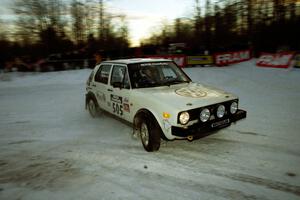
(115,98)
(118,109)
(117,104)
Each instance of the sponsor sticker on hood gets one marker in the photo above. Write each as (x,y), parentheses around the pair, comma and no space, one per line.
(192,91)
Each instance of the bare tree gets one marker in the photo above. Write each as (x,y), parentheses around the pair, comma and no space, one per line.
(35,16)
(56,12)
(101,20)
(198,25)
(123,31)
(90,16)
(32,18)
(78,15)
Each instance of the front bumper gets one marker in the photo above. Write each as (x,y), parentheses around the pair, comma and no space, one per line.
(212,125)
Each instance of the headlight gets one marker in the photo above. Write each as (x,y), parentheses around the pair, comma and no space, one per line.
(204,115)
(221,111)
(184,118)
(233,107)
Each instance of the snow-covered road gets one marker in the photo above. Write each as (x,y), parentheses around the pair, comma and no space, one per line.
(50,148)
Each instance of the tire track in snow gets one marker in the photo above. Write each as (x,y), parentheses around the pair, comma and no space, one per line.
(171,184)
(284,187)
(188,157)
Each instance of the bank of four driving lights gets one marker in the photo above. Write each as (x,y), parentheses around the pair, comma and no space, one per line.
(205,113)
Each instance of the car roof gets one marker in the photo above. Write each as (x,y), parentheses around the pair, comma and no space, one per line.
(136,60)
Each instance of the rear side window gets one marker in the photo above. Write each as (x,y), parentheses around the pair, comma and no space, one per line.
(88,82)
(103,74)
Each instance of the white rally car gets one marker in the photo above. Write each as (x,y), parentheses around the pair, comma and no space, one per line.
(159,100)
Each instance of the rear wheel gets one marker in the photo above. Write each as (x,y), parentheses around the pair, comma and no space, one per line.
(150,133)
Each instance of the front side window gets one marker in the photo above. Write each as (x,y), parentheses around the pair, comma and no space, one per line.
(120,77)
(154,74)
(103,74)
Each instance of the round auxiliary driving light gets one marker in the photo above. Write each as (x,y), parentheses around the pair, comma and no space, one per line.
(233,107)
(221,111)
(204,115)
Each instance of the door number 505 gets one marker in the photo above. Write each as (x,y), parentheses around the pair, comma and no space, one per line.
(118,109)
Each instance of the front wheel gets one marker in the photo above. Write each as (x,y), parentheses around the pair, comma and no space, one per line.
(150,134)
(92,107)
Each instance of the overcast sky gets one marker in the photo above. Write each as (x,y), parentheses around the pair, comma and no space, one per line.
(143,16)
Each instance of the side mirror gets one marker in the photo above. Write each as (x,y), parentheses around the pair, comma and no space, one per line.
(117,85)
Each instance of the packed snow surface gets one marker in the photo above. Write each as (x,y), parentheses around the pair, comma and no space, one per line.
(50,147)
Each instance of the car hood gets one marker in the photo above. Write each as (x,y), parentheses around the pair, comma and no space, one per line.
(187,96)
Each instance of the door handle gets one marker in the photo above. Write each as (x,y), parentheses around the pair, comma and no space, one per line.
(110,90)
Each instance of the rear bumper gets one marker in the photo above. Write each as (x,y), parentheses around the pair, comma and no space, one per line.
(201,128)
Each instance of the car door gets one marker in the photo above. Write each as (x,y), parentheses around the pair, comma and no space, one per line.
(101,86)
(119,92)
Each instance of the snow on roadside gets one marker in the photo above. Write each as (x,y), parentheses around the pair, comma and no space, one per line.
(271,96)
(51,148)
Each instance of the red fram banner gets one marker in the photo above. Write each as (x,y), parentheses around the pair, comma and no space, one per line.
(277,60)
(227,58)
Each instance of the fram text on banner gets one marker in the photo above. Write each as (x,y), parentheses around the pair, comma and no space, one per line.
(227,58)
(277,60)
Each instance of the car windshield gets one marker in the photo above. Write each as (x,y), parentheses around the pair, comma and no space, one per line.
(155,74)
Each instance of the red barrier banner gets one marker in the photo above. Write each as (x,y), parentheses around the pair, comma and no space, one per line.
(277,60)
(228,58)
(180,60)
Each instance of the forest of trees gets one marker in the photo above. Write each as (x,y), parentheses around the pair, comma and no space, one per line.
(262,25)
(44,27)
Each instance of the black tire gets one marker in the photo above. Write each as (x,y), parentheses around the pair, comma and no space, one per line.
(150,133)
(93,107)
